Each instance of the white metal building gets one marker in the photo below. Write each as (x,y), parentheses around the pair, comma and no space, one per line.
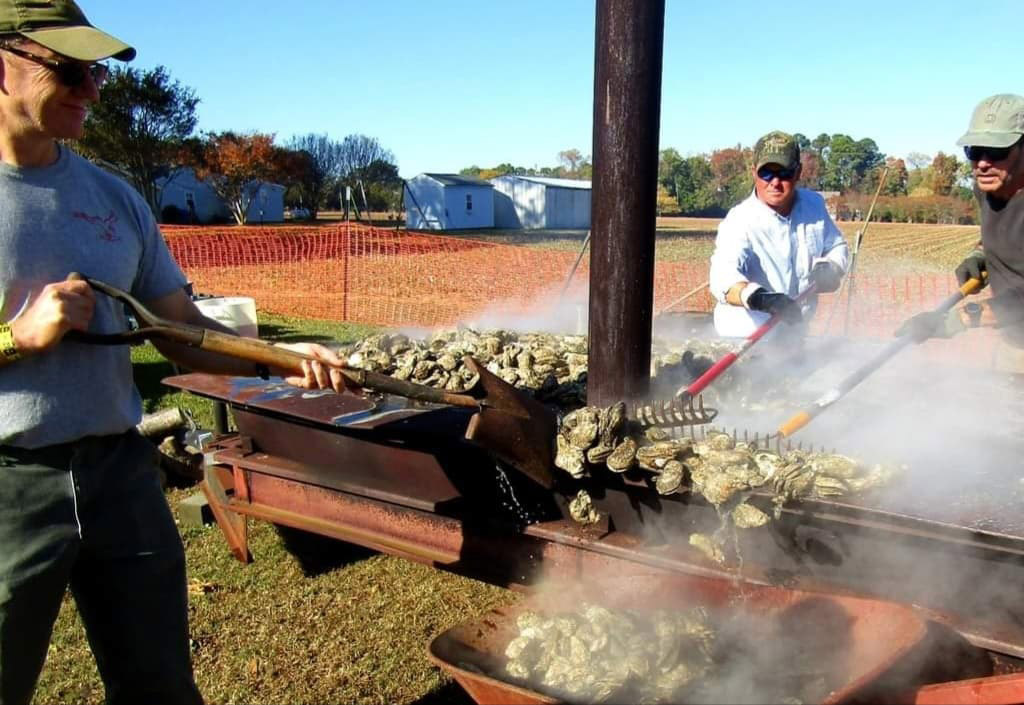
(448,202)
(540,202)
(183,190)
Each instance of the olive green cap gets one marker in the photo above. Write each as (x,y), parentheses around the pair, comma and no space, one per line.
(777,148)
(997,122)
(61,26)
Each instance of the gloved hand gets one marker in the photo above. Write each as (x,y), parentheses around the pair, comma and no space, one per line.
(776,305)
(971,268)
(826,277)
(932,324)
(696,365)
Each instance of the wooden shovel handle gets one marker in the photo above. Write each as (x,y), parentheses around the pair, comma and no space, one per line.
(263,353)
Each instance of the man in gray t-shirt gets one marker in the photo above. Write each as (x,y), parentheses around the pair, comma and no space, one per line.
(80,502)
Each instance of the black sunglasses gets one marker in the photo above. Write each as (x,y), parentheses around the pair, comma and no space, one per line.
(989,154)
(766,173)
(70,73)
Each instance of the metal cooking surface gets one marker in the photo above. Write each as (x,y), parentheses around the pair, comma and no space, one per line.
(319,407)
(959,473)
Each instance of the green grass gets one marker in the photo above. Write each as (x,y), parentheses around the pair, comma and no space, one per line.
(311,620)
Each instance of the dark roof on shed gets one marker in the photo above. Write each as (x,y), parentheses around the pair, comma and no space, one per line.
(459,180)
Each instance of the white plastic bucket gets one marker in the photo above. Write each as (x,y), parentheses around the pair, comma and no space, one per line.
(236,312)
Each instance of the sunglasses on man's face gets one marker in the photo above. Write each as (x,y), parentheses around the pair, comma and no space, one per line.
(70,73)
(767,173)
(989,154)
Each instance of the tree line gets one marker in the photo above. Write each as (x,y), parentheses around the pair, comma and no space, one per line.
(144,125)
(571,165)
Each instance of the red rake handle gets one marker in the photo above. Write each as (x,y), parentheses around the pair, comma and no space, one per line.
(701,383)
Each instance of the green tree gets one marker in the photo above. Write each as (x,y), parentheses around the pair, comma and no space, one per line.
(820,145)
(383,185)
(848,161)
(140,124)
(668,165)
(695,187)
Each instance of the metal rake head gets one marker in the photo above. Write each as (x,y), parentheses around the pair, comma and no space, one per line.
(672,413)
(766,441)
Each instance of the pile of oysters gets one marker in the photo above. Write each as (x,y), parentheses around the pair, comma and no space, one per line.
(597,654)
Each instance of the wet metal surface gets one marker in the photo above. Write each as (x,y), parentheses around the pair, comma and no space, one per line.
(627,107)
(420,464)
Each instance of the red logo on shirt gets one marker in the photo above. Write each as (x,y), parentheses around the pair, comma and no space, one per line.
(104,226)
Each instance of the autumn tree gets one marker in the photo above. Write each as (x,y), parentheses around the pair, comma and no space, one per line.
(897,179)
(140,124)
(810,169)
(234,165)
(944,170)
(732,177)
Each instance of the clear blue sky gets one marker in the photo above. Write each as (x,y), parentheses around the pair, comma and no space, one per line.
(445,84)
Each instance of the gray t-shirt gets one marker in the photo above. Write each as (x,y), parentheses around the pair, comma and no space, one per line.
(73,216)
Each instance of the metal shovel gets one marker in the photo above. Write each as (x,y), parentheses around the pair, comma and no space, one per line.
(510,424)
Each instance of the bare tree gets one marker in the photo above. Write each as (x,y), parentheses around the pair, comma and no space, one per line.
(358,152)
(571,160)
(323,169)
(918,160)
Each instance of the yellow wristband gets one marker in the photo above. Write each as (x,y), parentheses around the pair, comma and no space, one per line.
(8,348)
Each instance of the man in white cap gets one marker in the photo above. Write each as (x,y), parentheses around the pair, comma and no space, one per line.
(772,245)
(80,500)
(994,146)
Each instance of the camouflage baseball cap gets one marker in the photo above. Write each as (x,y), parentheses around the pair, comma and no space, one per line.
(997,122)
(777,148)
(61,26)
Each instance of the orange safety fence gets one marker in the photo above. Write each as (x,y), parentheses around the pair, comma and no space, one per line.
(357,273)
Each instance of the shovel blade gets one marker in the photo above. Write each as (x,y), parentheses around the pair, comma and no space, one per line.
(514,427)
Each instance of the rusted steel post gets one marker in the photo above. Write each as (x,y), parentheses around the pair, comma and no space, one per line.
(627,107)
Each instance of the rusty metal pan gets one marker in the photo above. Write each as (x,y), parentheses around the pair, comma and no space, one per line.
(854,640)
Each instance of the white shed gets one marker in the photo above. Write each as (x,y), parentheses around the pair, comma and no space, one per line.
(540,202)
(183,190)
(188,194)
(448,202)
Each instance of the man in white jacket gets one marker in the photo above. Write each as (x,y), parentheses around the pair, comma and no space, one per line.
(773,245)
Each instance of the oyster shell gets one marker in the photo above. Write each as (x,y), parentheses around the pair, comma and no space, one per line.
(747,516)
(569,457)
(708,546)
(833,465)
(670,479)
(655,456)
(582,509)
(623,457)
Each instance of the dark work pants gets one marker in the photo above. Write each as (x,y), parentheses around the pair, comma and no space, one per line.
(91,515)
